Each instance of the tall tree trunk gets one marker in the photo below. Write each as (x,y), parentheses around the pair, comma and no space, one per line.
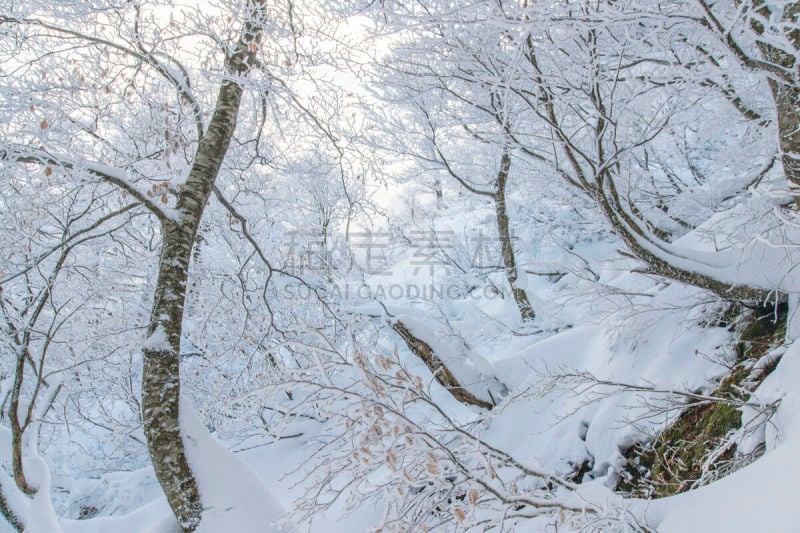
(506,248)
(161,373)
(785,94)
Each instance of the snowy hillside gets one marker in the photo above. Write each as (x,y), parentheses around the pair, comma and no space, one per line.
(275,266)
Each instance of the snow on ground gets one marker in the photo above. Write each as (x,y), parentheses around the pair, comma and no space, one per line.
(233,496)
(563,428)
(760,496)
(621,327)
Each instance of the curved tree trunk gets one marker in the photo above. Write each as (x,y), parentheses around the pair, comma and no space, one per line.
(509,259)
(17,426)
(604,192)
(628,229)
(161,373)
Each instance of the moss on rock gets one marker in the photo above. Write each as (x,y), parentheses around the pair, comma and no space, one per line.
(695,444)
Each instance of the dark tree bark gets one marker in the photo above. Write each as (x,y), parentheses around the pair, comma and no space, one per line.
(446,379)
(161,374)
(506,248)
(785,93)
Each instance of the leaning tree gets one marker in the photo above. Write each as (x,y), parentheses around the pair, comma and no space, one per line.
(146,107)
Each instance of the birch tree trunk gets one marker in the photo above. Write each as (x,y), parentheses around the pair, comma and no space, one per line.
(161,374)
(506,248)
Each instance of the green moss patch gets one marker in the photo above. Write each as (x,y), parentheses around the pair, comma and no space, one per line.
(675,461)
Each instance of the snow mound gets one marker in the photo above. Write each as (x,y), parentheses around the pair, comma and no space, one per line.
(234,499)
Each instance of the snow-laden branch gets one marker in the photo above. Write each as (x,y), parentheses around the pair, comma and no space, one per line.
(759,264)
(178,76)
(776,71)
(113,175)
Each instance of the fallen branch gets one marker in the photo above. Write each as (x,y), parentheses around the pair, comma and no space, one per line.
(440,371)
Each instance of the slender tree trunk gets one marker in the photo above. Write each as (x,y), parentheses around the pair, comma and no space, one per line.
(17,428)
(161,372)
(506,248)
(437,189)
